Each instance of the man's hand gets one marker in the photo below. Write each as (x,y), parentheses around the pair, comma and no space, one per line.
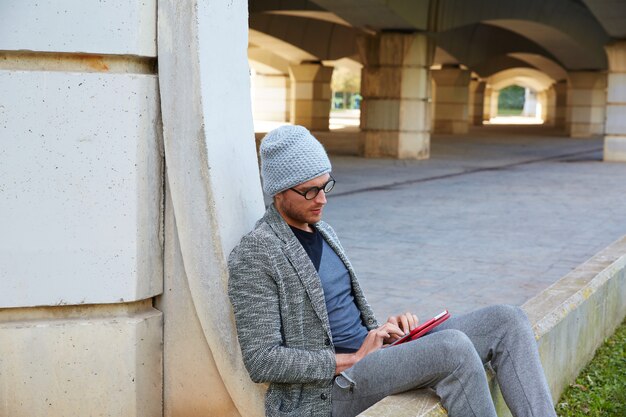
(406,322)
(373,342)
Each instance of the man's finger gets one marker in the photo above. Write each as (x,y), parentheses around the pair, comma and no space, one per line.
(405,323)
(392,328)
(411,319)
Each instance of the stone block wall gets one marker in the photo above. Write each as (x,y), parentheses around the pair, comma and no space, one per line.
(81,170)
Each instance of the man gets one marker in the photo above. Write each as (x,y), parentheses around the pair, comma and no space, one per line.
(305,326)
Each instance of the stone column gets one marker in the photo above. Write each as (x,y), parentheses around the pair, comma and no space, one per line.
(395,85)
(530,103)
(490,106)
(270,97)
(560,105)
(477,102)
(542,104)
(615,134)
(213,197)
(452,100)
(310,95)
(487,103)
(586,101)
(550,110)
(81,191)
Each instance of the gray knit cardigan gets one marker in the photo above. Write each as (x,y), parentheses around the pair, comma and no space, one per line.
(281,317)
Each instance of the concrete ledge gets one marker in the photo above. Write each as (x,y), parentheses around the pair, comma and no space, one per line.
(571,319)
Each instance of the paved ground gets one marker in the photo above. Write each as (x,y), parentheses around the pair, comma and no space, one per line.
(490,218)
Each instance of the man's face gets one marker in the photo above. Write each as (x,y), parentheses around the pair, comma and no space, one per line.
(298,211)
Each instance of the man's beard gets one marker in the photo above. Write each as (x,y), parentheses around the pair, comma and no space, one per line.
(302,216)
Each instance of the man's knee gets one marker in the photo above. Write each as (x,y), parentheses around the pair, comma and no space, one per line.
(458,351)
(511,325)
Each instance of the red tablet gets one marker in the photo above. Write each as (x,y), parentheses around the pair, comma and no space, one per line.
(423,328)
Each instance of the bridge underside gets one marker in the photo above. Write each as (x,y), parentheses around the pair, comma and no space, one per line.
(438,67)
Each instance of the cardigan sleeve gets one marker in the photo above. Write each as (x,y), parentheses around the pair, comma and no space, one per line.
(254,296)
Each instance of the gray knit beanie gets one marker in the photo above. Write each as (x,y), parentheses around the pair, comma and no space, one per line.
(290,155)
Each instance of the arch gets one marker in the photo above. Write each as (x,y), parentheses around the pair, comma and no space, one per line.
(266,62)
(542,21)
(278,47)
(321,40)
(498,64)
(524,77)
(478,43)
(567,50)
(543,64)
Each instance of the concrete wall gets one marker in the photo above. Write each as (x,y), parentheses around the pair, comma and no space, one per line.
(81,213)
(215,192)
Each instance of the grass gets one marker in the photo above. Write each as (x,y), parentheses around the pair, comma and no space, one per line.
(509,112)
(600,389)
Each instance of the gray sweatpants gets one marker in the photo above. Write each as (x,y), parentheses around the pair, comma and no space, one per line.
(451,360)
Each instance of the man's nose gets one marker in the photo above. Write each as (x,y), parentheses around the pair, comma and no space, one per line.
(320,198)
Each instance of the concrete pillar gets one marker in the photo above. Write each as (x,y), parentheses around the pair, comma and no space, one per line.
(81,171)
(271,97)
(560,104)
(490,106)
(452,100)
(586,102)
(310,95)
(615,134)
(550,110)
(542,104)
(477,102)
(488,95)
(395,85)
(213,197)
(530,103)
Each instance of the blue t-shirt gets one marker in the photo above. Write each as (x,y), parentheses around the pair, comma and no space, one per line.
(344,316)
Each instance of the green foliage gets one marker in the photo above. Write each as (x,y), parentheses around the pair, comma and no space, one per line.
(346,80)
(600,389)
(511,97)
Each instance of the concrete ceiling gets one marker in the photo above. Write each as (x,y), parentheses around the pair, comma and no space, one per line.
(553,36)
(321,39)
(611,14)
(475,44)
(524,77)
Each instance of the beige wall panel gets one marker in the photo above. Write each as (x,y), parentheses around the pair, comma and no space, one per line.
(412,115)
(616,120)
(271,81)
(382,114)
(586,129)
(615,148)
(451,126)
(617,91)
(449,94)
(414,145)
(303,90)
(82,366)
(121,27)
(394,144)
(588,114)
(270,93)
(192,384)
(586,98)
(415,83)
(312,108)
(383,82)
(452,111)
(81,180)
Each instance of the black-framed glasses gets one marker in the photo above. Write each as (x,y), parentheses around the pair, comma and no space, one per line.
(312,192)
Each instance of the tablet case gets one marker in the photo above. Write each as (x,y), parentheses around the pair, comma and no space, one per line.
(423,328)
